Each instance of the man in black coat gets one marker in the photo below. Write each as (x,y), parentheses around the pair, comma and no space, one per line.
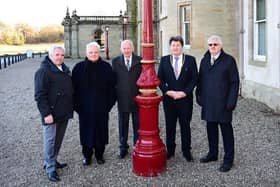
(217,94)
(178,76)
(53,94)
(127,68)
(94,96)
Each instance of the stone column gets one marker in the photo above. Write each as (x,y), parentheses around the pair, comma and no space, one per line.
(75,41)
(67,40)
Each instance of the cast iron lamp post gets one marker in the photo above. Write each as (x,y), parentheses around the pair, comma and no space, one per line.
(107,42)
(149,154)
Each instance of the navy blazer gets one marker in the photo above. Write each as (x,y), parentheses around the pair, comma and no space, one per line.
(186,82)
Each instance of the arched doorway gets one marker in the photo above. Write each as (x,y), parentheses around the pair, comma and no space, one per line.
(99,37)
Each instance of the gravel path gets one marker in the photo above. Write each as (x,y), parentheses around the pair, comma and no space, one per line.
(257,140)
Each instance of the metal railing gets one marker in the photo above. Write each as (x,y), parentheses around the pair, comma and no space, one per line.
(7,60)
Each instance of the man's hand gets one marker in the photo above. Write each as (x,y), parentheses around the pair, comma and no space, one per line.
(176,94)
(49,119)
(180,95)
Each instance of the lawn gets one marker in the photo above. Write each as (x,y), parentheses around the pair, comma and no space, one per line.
(15,49)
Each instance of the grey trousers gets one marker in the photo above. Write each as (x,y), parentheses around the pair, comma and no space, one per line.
(52,138)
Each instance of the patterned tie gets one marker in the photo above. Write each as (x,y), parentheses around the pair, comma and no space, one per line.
(127,64)
(176,67)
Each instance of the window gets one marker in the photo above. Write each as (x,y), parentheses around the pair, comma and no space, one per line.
(185,18)
(160,6)
(259,30)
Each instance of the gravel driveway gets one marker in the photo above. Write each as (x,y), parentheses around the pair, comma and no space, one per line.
(257,140)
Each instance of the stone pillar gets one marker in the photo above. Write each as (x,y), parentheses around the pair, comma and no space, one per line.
(67,40)
(75,41)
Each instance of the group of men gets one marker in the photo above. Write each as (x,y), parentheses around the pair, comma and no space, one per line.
(95,86)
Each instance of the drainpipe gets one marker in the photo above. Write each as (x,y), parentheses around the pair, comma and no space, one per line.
(241,45)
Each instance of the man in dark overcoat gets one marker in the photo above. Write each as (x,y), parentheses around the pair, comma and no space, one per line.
(54,96)
(94,96)
(217,94)
(178,76)
(127,68)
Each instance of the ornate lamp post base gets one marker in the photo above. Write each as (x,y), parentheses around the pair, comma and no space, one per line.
(149,156)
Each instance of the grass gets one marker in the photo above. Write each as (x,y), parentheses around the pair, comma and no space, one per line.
(15,49)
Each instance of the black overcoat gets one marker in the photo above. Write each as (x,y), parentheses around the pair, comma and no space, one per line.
(54,91)
(126,87)
(217,89)
(94,96)
(186,82)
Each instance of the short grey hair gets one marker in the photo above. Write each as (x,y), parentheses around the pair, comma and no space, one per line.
(215,37)
(127,41)
(93,44)
(53,48)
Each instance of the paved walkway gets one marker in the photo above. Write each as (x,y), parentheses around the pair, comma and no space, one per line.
(256,129)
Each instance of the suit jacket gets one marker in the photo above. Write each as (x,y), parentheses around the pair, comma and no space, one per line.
(186,82)
(126,87)
(217,89)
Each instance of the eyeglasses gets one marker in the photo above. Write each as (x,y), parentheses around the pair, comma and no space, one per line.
(214,44)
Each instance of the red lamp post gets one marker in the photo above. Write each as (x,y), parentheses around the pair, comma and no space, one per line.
(149,156)
(107,42)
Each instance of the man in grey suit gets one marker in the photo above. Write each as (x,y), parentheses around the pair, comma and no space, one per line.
(127,68)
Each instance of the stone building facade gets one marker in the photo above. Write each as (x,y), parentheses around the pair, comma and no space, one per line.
(250,30)
(80,30)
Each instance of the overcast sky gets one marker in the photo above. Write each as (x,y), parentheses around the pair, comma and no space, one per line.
(39,13)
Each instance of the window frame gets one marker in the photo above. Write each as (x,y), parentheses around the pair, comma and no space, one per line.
(257,56)
(183,21)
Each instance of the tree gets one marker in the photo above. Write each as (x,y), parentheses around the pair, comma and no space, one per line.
(29,33)
(51,33)
(11,37)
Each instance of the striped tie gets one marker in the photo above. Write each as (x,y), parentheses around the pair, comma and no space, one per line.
(127,64)
(176,67)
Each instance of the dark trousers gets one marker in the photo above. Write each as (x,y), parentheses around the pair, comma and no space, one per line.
(124,126)
(171,116)
(228,140)
(88,152)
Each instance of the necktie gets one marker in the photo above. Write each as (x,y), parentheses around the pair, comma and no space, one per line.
(176,67)
(127,64)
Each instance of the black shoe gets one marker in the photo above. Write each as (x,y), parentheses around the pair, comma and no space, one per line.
(53,176)
(86,162)
(188,156)
(100,161)
(208,158)
(225,167)
(122,154)
(60,165)
(169,155)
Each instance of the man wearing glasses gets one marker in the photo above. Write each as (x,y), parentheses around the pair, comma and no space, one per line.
(217,94)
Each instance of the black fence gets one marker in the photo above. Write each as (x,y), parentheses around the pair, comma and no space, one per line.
(7,60)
